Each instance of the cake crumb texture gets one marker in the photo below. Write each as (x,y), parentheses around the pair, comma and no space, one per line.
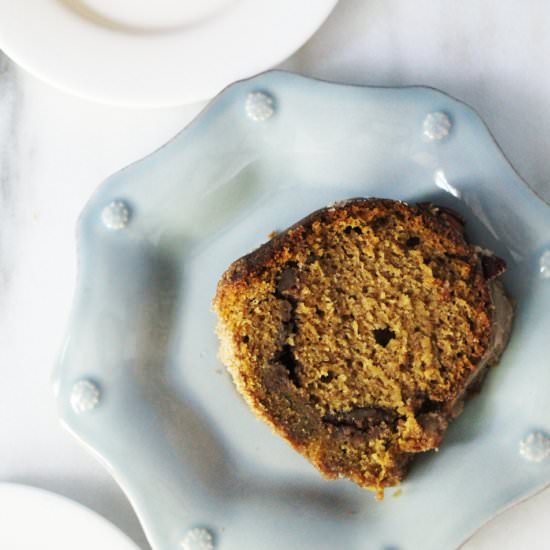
(356,333)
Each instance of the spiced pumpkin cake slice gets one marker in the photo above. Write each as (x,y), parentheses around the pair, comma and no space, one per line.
(358,332)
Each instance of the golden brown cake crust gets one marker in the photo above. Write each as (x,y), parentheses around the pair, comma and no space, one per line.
(356,332)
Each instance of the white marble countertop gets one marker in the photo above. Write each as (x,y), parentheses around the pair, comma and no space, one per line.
(55,149)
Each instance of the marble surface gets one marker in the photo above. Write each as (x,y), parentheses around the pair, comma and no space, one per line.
(55,149)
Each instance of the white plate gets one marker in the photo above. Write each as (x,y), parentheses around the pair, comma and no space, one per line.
(152,54)
(33,519)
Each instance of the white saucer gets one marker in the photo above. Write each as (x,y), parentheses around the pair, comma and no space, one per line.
(151,54)
(31,519)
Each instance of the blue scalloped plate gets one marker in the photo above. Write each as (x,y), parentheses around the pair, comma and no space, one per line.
(138,380)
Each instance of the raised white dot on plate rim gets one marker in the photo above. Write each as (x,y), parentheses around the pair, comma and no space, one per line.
(436,126)
(259,106)
(116,215)
(85,396)
(198,538)
(535,447)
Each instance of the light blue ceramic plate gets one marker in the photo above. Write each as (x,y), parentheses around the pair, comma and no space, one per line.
(138,380)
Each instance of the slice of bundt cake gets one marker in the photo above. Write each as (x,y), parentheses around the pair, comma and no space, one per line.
(358,332)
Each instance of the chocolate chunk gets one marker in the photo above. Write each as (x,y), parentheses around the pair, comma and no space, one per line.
(433,423)
(429,406)
(286,311)
(287,359)
(288,279)
(362,418)
(493,266)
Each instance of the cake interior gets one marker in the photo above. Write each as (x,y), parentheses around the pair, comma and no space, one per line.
(358,336)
